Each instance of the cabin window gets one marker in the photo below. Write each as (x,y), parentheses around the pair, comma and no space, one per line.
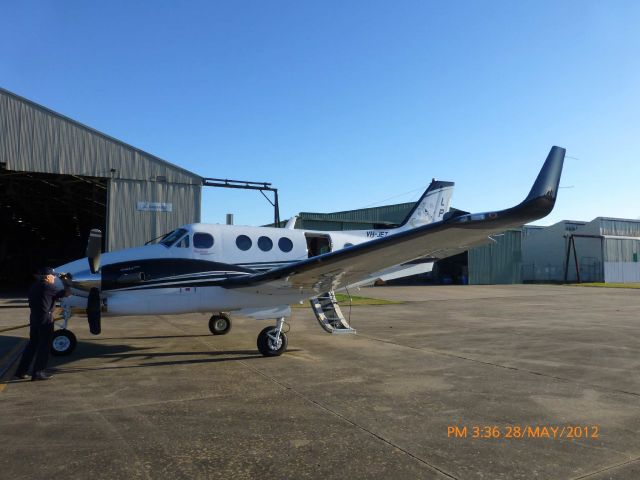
(202,240)
(183,243)
(243,242)
(285,244)
(265,244)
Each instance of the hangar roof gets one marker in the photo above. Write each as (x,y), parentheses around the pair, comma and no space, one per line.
(34,138)
(618,227)
(388,214)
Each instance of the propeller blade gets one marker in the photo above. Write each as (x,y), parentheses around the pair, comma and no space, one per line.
(94,249)
(94,313)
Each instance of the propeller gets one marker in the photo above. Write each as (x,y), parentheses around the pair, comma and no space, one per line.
(94,312)
(94,249)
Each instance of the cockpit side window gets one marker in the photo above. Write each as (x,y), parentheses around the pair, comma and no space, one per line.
(183,243)
(172,237)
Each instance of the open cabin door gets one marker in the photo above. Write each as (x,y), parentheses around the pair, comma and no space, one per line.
(317,243)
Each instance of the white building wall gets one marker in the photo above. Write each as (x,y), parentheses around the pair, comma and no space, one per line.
(621,263)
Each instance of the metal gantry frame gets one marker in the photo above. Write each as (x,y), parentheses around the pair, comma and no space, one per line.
(247,185)
(572,244)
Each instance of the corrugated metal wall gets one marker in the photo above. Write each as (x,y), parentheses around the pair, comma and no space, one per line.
(589,252)
(127,226)
(36,139)
(307,224)
(621,250)
(363,218)
(544,251)
(499,262)
(621,257)
(619,227)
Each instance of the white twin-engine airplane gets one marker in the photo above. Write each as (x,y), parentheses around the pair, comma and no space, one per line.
(260,271)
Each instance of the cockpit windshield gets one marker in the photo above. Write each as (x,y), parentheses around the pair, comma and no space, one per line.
(172,237)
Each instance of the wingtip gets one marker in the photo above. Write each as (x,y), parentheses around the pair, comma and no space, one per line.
(548,180)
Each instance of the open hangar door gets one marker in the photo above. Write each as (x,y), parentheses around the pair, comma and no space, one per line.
(45,219)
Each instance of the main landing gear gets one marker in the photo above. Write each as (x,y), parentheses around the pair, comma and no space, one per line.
(219,324)
(272,341)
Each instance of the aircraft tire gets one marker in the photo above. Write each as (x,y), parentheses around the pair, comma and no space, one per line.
(266,346)
(63,343)
(219,324)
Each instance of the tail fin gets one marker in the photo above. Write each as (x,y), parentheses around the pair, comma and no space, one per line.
(431,207)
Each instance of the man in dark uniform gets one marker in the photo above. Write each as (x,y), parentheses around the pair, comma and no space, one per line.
(42,300)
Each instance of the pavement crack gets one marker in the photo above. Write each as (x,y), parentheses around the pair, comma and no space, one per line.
(332,412)
(498,365)
(347,420)
(127,406)
(606,469)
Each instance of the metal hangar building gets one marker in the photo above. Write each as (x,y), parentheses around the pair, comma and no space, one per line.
(602,250)
(59,179)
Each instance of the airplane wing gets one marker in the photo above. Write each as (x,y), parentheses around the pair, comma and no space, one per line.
(450,236)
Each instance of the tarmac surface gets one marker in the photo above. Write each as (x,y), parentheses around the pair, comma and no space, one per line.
(159,397)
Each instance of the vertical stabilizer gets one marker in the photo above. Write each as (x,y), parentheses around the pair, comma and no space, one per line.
(431,207)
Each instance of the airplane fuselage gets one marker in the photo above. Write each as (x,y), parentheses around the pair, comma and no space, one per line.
(184,270)
(179,274)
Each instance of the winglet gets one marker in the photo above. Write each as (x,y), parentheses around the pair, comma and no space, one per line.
(546,185)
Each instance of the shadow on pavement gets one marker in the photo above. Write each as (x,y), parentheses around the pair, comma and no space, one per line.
(113,354)
(101,338)
(213,357)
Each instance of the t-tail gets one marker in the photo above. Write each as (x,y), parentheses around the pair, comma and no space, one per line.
(432,206)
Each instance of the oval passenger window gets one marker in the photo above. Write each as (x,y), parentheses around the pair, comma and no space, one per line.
(285,244)
(243,242)
(202,240)
(265,244)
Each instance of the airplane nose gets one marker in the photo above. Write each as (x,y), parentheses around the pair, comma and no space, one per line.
(85,280)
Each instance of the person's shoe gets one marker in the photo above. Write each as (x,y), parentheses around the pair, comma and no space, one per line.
(22,376)
(40,376)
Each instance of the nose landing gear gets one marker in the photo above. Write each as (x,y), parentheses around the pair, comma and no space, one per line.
(63,341)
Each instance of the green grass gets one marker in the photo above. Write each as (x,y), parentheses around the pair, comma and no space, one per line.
(343,300)
(606,285)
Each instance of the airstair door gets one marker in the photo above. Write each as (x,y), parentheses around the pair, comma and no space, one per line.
(317,244)
(328,313)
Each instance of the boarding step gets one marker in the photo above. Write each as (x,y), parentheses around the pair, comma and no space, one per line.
(329,315)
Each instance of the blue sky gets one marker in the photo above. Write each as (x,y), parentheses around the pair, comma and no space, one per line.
(343,104)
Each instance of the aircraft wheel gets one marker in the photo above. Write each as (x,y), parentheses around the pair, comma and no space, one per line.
(219,324)
(63,342)
(268,345)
